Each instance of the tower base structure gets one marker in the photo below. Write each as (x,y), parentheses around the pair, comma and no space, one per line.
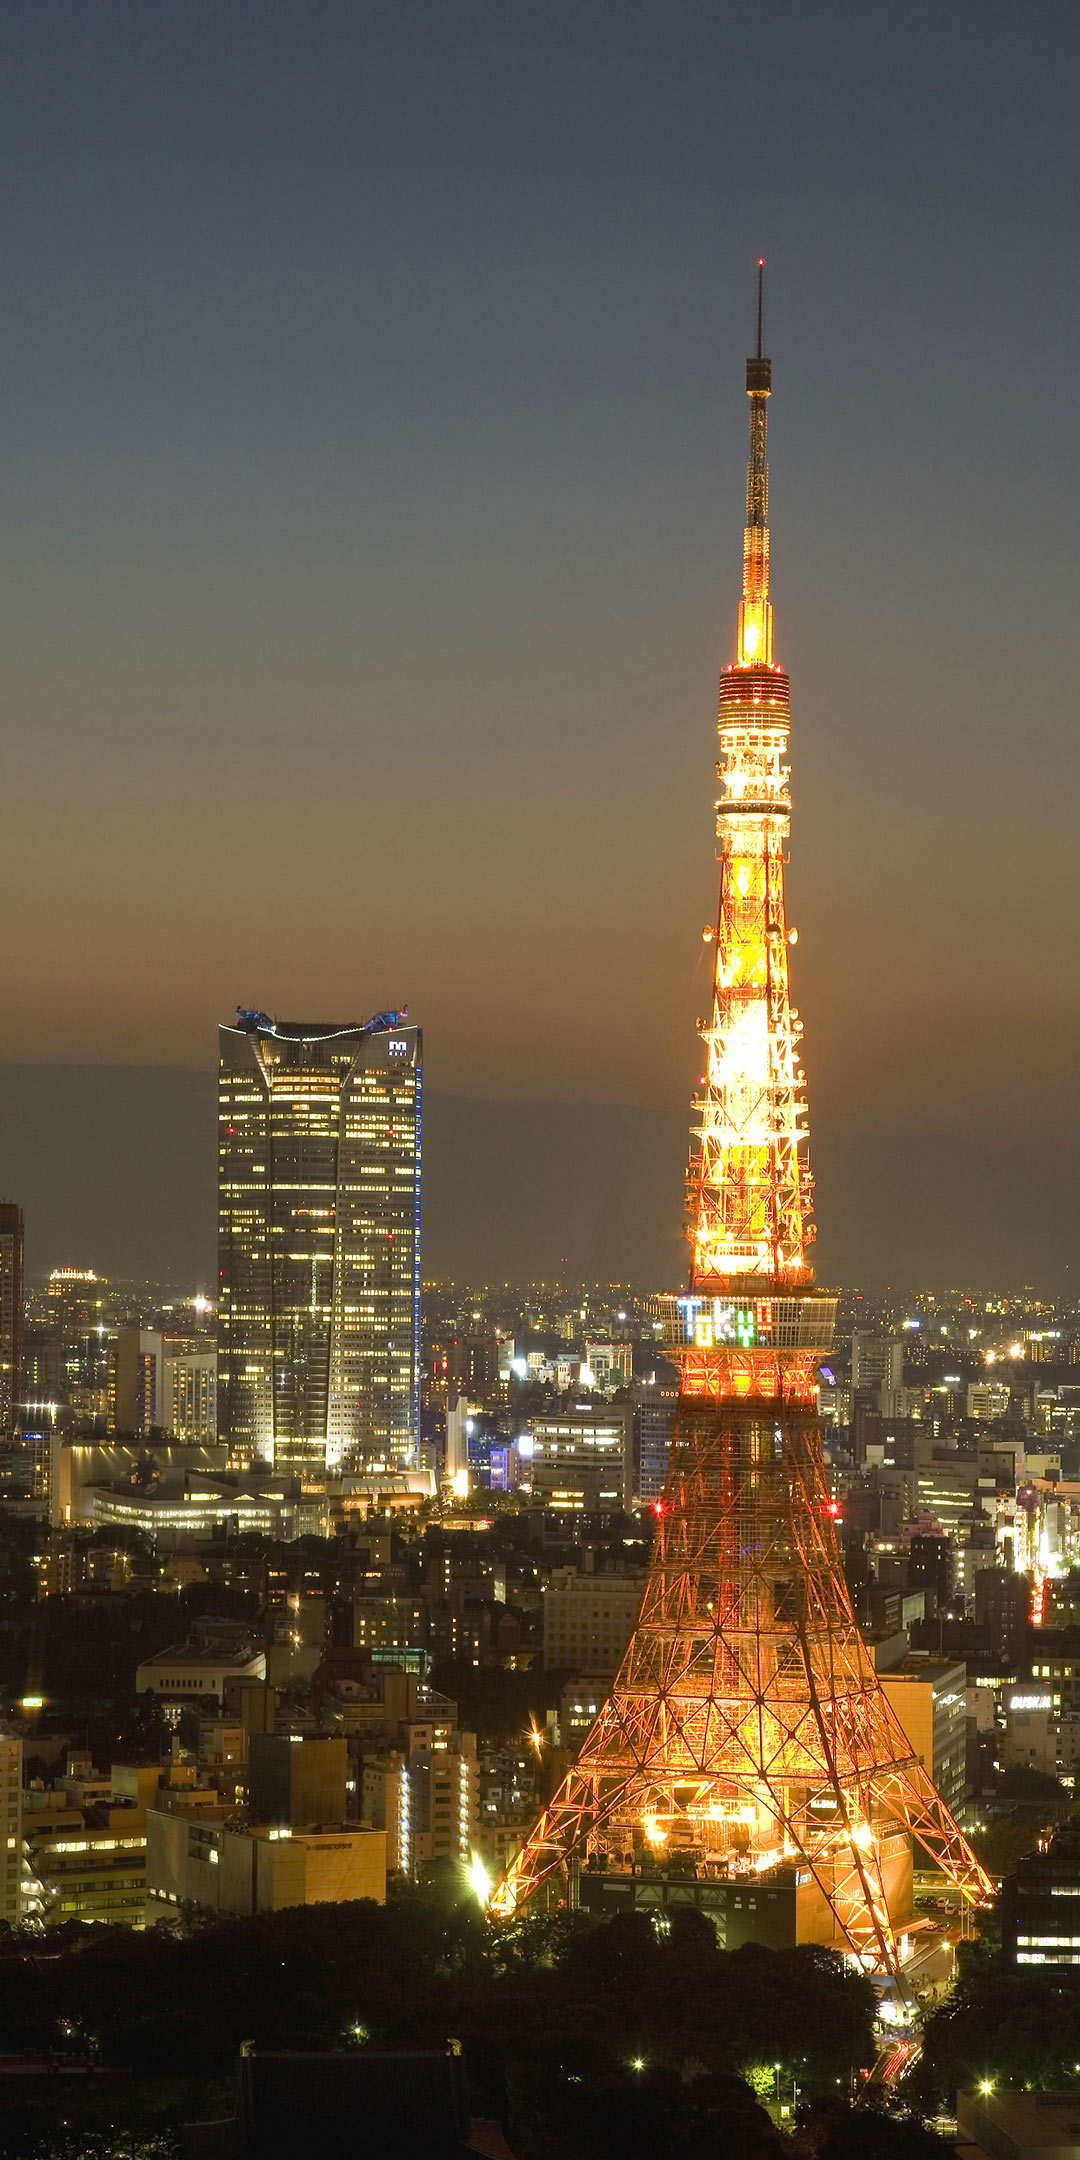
(747,1742)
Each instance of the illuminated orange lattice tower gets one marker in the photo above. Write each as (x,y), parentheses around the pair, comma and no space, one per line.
(747,1735)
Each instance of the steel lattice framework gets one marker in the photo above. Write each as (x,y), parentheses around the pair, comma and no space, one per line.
(747,1728)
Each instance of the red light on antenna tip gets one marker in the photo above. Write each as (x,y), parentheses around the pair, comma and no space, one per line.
(761,262)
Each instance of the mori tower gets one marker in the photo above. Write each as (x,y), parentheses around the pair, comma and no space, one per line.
(319,1244)
(747,1755)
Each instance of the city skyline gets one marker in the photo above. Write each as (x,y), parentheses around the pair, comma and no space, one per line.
(560,1626)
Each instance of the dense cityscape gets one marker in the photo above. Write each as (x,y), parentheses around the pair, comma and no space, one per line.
(493,1657)
(238,1694)
(553,1719)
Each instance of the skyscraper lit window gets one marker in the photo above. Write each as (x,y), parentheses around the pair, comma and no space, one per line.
(319,1243)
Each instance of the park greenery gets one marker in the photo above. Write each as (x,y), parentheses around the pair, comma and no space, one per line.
(586,2040)
(1011,2030)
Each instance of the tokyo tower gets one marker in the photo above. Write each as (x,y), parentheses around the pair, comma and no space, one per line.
(747,1739)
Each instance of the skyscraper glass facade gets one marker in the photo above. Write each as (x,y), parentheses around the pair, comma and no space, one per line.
(319,1244)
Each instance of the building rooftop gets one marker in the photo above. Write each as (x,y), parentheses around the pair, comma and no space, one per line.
(921,1665)
(1014,2125)
(288,2103)
(211,1655)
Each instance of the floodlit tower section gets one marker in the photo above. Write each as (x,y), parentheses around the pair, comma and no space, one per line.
(747,1742)
(749,1185)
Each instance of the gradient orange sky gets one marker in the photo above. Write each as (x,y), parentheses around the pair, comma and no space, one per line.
(371,525)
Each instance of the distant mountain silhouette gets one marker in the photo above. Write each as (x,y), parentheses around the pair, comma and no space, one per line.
(115,1168)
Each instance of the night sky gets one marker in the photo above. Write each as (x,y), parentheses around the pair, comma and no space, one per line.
(373,465)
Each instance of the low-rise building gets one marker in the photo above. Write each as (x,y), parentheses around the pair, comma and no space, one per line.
(206,1857)
(1030,1739)
(85,1864)
(199,1671)
(188,1503)
(1018,2125)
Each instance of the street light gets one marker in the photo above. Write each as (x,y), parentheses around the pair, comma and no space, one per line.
(479,1879)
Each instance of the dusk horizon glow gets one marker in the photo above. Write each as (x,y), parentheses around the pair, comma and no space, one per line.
(370,537)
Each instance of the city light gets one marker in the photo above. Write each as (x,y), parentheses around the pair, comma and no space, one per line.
(480,1882)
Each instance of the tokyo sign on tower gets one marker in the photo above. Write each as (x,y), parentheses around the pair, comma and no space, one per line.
(747,1740)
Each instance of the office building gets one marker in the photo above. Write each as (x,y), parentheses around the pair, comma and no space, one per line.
(589,1619)
(988,1400)
(11,1314)
(74,1300)
(84,1870)
(189,1390)
(394,1620)
(84,1855)
(582,1456)
(932,1565)
(319,1244)
(877,1369)
(952,1491)
(427,1800)
(203,1856)
(1030,1738)
(929,1696)
(294,1782)
(654,1418)
(1040,1905)
(1055,1660)
(607,1366)
(136,1396)
(1001,1607)
(458,1422)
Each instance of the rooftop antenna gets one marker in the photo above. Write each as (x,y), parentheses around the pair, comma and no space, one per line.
(760,282)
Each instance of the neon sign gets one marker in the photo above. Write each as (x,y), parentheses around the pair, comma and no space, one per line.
(709,1322)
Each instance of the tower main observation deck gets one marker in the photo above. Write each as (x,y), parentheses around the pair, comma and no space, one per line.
(747,1736)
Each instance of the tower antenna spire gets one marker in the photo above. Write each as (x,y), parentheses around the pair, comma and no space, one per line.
(760,284)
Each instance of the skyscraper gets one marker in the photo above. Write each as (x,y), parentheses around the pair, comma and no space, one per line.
(136,1400)
(877,1370)
(747,1739)
(319,1243)
(11,1313)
